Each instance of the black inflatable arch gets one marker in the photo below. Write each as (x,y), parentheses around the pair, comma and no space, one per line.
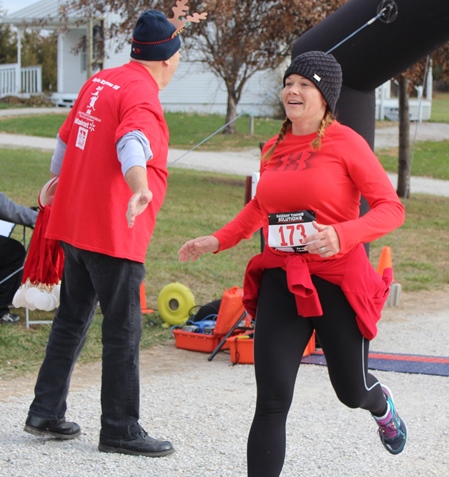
(404,33)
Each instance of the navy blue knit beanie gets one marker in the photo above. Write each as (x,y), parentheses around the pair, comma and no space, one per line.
(153,38)
(323,70)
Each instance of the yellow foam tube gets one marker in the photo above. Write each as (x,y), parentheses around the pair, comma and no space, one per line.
(174,303)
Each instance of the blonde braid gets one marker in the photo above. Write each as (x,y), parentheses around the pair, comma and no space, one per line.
(327,120)
(286,125)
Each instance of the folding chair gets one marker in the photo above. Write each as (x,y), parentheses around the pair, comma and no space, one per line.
(6,230)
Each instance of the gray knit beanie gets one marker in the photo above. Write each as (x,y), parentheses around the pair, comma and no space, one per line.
(324,72)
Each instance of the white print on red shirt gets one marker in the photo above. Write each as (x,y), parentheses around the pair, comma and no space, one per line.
(93,99)
(81,138)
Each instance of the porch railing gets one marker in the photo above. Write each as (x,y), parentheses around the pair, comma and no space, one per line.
(15,81)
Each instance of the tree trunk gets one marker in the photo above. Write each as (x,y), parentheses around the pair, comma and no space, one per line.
(231,113)
(404,164)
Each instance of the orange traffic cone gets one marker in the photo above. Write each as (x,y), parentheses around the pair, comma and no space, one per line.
(143,300)
(385,260)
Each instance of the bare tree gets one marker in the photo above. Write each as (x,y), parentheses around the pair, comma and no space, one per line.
(414,76)
(404,159)
(239,38)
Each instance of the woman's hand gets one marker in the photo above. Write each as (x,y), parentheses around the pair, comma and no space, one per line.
(324,243)
(194,248)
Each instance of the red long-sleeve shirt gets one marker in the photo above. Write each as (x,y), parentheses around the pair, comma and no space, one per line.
(330,181)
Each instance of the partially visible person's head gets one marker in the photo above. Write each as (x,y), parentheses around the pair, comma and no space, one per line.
(322,70)
(154,38)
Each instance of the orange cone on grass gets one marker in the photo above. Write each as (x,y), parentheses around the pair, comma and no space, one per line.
(385,261)
(143,300)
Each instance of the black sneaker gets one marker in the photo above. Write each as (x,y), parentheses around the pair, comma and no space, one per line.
(9,319)
(57,428)
(142,444)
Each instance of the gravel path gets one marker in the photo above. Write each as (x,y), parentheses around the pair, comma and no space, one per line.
(245,163)
(205,409)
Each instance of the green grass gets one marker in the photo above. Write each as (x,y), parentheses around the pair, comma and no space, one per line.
(22,350)
(419,248)
(41,125)
(186,130)
(189,129)
(429,159)
(198,203)
(440,108)
(11,106)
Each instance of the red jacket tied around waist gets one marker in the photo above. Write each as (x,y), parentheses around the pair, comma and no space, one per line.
(365,290)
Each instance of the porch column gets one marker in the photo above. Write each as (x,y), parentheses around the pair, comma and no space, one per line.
(89,48)
(60,72)
(18,75)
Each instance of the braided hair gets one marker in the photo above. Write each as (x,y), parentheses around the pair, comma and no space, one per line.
(286,126)
(327,120)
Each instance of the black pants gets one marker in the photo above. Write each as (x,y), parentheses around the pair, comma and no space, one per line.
(12,256)
(280,339)
(90,277)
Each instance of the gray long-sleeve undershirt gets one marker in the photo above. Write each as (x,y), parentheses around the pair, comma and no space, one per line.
(133,149)
(15,213)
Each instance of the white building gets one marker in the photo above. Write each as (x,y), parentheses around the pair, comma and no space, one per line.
(420,108)
(193,88)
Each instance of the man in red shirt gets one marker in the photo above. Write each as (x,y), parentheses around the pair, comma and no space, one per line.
(111,160)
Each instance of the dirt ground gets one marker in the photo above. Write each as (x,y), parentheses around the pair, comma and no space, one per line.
(171,360)
(417,303)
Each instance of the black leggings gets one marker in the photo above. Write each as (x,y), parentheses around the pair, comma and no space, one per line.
(280,339)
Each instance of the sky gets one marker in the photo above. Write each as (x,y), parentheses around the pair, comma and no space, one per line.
(15,5)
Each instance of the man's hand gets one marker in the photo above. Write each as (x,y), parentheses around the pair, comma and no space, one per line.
(137,204)
(136,178)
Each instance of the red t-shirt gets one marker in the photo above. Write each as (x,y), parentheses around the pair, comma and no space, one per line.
(89,208)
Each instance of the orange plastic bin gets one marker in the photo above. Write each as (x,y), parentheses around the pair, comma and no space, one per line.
(241,348)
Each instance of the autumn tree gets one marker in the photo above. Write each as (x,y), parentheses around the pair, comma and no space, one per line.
(40,48)
(8,49)
(440,59)
(239,38)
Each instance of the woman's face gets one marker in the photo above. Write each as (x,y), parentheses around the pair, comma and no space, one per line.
(303,102)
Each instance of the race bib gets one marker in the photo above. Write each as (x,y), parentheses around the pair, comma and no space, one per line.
(288,230)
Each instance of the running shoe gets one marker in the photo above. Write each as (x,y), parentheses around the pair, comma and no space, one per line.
(392,430)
